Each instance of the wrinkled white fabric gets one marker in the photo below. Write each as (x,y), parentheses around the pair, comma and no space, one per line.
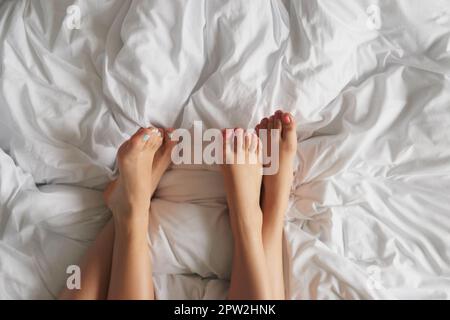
(369,212)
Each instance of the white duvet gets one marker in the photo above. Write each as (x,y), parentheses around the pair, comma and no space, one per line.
(367,81)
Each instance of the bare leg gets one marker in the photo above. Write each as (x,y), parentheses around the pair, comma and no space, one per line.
(131,270)
(96,264)
(275,195)
(95,268)
(249,278)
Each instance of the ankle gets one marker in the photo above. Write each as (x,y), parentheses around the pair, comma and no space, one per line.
(245,238)
(276,206)
(249,221)
(130,222)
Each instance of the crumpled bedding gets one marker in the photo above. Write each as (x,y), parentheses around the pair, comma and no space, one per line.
(370,91)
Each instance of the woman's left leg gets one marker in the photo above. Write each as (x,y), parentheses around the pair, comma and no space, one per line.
(95,268)
(242,178)
(96,264)
(131,270)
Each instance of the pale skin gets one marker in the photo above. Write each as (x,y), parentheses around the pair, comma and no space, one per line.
(96,266)
(257,206)
(118,265)
(275,196)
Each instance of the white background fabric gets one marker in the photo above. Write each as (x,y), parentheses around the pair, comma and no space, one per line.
(369,215)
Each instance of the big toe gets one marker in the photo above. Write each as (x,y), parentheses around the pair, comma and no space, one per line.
(288,132)
(153,139)
(142,139)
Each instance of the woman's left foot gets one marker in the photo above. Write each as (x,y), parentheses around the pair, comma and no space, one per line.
(161,163)
(242,172)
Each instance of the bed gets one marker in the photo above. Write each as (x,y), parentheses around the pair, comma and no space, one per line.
(368,83)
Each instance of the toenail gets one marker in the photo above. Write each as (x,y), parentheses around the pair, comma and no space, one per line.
(228,133)
(146,137)
(155,132)
(286,119)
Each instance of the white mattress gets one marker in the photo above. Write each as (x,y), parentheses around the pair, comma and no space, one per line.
(369,215)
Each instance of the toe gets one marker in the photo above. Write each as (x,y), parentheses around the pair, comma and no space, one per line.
(137,141)
(239,143)
(168,141)
(278,121)
(248,140)
(169,137)
(278,114)
(227,152)
(252,148)
(161,133)
(227,135)
(271,122)
(287,122)
(264,123)
(288,133)
(263,127)
(239,146)
(254,143)
(152,138)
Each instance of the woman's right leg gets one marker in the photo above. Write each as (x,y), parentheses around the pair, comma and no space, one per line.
(249,276)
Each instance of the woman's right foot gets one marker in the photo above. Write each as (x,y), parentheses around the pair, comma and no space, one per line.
(163,158)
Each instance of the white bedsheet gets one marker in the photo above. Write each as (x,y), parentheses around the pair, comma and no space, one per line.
(369,215)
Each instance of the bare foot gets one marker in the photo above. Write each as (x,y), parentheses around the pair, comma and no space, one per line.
(276,187)
(242,177)
(131,192)
(161,162)
(275,194)
(162,158)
